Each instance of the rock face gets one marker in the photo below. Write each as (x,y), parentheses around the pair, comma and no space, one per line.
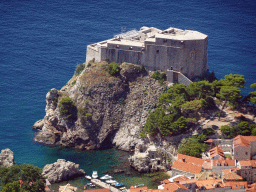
(62,170)
(110,110)
(6,158)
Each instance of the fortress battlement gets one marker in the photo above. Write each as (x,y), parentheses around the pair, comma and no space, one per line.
(181,50)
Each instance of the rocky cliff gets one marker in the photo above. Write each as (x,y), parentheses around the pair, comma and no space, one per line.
(107,110)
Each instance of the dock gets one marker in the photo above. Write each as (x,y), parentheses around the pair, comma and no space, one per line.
(104,185)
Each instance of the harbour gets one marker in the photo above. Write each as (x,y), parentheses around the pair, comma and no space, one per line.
(105,185)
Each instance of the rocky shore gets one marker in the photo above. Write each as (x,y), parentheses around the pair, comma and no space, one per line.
(6,158)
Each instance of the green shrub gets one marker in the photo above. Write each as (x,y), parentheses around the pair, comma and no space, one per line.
(142,134)
(208,131)
(88,114)
(55,100)
(74,82)
(161,77)
(79,69)
(67,108)
(113,69)
(225,129)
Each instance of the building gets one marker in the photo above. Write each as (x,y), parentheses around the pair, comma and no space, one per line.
(178,50)
(244,147)
(187,165)
(247,169)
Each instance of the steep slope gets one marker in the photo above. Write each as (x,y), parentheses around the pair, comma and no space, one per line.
(107,110)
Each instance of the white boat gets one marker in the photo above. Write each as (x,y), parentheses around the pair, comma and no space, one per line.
(94,174)
(106,177)
(111,181)
(88,177)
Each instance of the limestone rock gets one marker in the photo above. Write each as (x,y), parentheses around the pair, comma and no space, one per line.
(39,124)
(62,170)
(111,111)
(6,158)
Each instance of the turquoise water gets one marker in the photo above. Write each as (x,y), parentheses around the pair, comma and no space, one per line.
(41,42)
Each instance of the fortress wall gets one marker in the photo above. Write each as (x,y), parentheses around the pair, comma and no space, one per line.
(195,59)
(92,52)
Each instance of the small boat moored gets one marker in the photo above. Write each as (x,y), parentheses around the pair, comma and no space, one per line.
(94,174)
(106,177)
(119,184)
(111,181)
(88,177)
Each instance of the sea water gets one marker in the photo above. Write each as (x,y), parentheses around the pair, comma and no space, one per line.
(41,42)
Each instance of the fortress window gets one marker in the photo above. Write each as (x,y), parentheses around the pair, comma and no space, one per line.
(157,51)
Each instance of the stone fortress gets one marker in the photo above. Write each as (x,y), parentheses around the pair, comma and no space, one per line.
(170,50)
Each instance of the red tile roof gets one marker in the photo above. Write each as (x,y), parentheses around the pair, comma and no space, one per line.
(216,151)
(209,141)
(231,176)
(248,163)
(187,167)
(241,141)
(209,183)
(236,184)
(181,178)
(233,170)
(223,162)
(190,159)
(171,187)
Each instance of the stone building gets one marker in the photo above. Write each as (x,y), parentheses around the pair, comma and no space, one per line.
(244,147)
(183,51)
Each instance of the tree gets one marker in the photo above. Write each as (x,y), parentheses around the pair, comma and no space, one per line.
(28,176)
(244,127)
(252,96)
(201,89)
(68,108)
(229,93)
(225,129)
(12,187)
(234,80)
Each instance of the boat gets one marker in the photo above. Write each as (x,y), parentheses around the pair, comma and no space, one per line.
(110,181)
(119,184)
(106,177)
(122,188)
(90,185)
(94,174)
(88,177)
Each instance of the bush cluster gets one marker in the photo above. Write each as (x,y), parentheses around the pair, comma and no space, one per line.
(113,69)
(161,77)
(68,108)
(243,128)
(79,69)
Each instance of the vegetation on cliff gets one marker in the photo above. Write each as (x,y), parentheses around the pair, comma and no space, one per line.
(181,105)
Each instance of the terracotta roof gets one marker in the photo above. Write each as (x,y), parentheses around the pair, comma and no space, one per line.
(241,141)
(181,178)
(231,176)
(166,181)
(209,141)
(188,181)
(138,189)
(187,167)
(246,163)
(216,151)
(232,170)
(223,162)
(236,184)
(209,183)
(170,187)
(207,165)
(206,175)
(190,159)
(251,187)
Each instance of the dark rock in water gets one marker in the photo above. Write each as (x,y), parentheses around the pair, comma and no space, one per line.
(118,171)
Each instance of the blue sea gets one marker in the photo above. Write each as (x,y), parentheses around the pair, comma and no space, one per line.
(42,42)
